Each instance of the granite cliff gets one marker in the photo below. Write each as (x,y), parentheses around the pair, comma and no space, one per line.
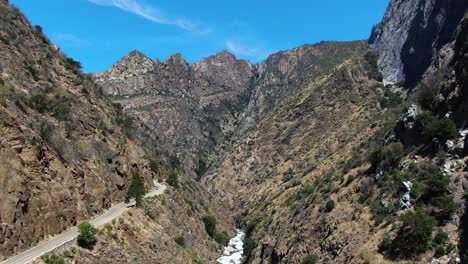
(415,34)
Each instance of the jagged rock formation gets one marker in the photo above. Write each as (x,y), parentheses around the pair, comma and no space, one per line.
(195,110)
(412,34)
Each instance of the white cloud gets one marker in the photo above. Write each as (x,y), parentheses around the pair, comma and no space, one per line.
(150,13)
(70,40)
(242,50)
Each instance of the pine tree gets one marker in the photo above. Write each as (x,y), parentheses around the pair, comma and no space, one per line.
(136,190)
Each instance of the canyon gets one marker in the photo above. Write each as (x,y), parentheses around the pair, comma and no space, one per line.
(325,153)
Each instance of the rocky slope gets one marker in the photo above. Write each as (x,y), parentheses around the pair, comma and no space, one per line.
(415,33)
(309,151)
(295,146)
(196,110)
(64,158)
(68,154)
(306,183)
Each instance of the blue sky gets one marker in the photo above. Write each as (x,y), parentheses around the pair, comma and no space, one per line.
(99,32)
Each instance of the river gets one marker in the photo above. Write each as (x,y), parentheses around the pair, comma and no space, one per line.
(234,250)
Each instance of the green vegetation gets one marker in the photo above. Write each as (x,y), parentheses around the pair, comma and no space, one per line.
(330,205)
(136,190)
(173,179)
(73,65)
(414,236)
(155,166)
(73,250)
(210,225)
(122,119)
(45,131)
(442,245)
(428,90)
(391,99)
(86,235)
(44,103)
(310,259)
(174,162)
(180,241)
(108,229)
(52,259)
(201,169)
(372,66)
(430,187)
(249,246)
(221,237)
(384,159)
(435,127)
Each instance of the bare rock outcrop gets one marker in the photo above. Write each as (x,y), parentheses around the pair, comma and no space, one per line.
(412,34)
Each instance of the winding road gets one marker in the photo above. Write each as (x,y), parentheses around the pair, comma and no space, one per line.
(44,247)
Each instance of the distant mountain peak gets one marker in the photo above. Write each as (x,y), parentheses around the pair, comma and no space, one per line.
(176,59)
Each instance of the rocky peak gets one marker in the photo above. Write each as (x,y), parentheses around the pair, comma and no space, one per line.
(412,34)
(133,64)
(176,60)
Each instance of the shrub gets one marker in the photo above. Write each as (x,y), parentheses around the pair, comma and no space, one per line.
(43,103)
(52,259)
(249,246)
(415,234)
(45,131)
(428,90)
(172,179)
(441,238)
(136,190)
(122,119)
(38,28)
(33,71)
(40,102)
(287,175)
(60,110)
(330,205)
(201,169)
(444,208)
(73,65)
(310,259)
(87,235)
(174,162)
(180,241)
(221,237)
(439,252)
(73,250)
(387,158)
(109,234)
(210,225)
(391,99)
(431,187)
(434,127)
(154,166)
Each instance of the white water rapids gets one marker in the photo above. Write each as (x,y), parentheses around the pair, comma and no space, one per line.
(234,250)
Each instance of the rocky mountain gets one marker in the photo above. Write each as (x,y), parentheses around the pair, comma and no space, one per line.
(415,34)
(197,110)
(330,173)
(338,152)
(68,154)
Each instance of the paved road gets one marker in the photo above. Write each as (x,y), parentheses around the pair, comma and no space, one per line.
(46,246)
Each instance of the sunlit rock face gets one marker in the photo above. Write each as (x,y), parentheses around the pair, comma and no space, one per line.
(412,34)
